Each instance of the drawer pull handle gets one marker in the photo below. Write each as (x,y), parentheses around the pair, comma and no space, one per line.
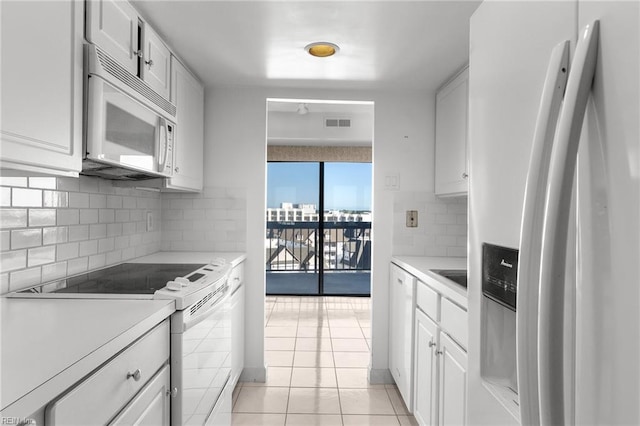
(432,344)
(439,353)
(136,375)
(172,392)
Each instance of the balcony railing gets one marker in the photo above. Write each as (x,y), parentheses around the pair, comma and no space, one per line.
(295,246)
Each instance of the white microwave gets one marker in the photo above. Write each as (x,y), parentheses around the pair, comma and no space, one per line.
(129,128)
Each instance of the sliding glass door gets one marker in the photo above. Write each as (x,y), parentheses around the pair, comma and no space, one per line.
(318,239)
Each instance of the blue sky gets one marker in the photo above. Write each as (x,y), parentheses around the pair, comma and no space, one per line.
(347,185)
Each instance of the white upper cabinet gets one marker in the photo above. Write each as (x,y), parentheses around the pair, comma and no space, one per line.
(451,137)
(113,25)
(41,80)
(117,28)
(188,95)
(156,67)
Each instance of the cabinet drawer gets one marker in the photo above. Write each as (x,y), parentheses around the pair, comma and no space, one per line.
(427,300)
(99,397)
(454,321)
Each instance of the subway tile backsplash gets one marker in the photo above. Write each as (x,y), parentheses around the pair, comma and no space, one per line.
(442,225)
(55,227)
(213,220)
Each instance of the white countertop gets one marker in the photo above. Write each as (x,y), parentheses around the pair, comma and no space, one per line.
(50,344)
(421,267)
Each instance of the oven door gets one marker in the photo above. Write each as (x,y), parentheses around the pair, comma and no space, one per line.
(200,361)
(123,132)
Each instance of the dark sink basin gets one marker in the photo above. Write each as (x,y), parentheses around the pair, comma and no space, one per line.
(458,276)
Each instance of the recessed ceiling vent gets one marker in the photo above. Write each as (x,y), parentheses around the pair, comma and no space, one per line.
(337,122)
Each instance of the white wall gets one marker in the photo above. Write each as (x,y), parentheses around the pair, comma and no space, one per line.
(235,156)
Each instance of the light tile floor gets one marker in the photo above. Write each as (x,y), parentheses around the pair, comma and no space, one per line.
(317,352)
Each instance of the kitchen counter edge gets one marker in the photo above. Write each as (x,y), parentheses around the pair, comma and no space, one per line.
(421,267)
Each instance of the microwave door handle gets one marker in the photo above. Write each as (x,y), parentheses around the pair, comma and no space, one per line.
(163,142)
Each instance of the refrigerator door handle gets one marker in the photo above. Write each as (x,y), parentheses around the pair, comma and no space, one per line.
(556,222)
(531,234)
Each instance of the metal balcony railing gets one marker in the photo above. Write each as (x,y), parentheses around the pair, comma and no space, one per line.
(296,246)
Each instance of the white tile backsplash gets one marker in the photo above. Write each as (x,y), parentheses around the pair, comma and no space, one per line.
(56,227)
(442,225)
(213,220)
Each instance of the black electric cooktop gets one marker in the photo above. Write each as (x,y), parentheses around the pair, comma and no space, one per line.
(127,278)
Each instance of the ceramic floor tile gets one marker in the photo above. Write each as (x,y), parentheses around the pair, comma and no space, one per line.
(367,332)
(397,402)
(276,376)
(365,401)
(313,359)
(364,420)
(346,333)
(313,400)
(343,322)
(407,421)
(280,331)
(262,400)
(313,344)
(279,343)
(364,322)
(313,331)
(351,359)
(250,419)
(354,378)
(313,377)
(314,420)
(350,345)
(279,358)
(313,322)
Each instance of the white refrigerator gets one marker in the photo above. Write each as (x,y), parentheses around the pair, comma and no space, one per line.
(570,352)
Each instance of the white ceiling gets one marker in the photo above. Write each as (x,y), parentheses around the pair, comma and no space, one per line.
(383,44)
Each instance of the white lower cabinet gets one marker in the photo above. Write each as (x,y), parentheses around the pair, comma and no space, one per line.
(151,405)
(131,388)
(426,370)
(452,365)
(401,312)
(237,323)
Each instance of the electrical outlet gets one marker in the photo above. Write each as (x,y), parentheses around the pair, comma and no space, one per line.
(412,218)
(150,223)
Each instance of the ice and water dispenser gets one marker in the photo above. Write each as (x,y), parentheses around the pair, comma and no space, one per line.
(498,313)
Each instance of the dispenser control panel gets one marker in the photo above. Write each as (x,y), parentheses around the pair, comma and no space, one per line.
(500,274)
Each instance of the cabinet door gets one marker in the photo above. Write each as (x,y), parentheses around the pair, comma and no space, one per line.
(452,407)
(113,26)
(237,334)
(41,80)
(451,137)
(425,371)
(401,331)
(156,62)
(188,95)
(151,405)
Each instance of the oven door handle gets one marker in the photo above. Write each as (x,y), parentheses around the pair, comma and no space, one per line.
(201,316)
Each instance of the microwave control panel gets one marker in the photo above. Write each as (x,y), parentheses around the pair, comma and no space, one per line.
(500,274)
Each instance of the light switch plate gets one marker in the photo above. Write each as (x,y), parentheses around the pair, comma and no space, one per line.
(412,218)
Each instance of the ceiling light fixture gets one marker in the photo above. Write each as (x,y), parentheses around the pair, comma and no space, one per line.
(322,49)
(302,109)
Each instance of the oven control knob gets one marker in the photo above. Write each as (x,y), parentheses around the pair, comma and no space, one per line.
(183,281)
(174,286)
